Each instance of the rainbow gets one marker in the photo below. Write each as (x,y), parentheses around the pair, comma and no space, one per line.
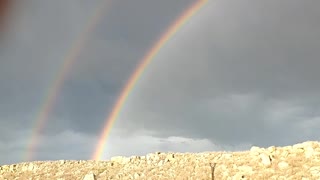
(53,91)
(110,120)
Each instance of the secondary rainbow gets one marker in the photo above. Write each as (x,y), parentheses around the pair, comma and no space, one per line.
(110,120)
(54,89)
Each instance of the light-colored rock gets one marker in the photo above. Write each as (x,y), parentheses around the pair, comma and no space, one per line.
(160,163)
(271,149)
(315,171)
(153,157)
(116,158)
(62,161)
(308,152)
(30,167)
(104,173)
(170,158)
(239,176)
(284,154)
(283,165)
(246,169)
(136,176)
(90,176)
(121,159)
(12,167)
(265,159)
(134,158)
(258,163)
(254,150)
(299,146)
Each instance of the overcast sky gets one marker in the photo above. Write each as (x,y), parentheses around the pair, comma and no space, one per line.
(239,73)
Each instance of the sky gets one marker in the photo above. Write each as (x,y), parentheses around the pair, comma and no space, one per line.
(237,74)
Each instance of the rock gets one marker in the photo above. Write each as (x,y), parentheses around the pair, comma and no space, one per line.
(315,171)
(160,163)
(153,158)
(298,146)
(255,150)
(12,167)
(265,160)
(104,173)
(121,159)
(271,149)
(136,176)
(308,152)
(30,167)
(245,169)
(284,154)
(170,158)
(116,158)
(239,176)
(258,163)
(283,165)
(62,162)
(134,158)
(90,176)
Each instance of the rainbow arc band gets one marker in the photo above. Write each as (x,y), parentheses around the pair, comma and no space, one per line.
(110,120)
(53,92)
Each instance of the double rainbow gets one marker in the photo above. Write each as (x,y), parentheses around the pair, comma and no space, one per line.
(70,59)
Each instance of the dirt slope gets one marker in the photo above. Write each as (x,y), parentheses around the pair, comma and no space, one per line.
(300,161)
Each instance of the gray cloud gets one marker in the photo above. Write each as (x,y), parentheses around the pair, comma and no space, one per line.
(42,34)
(142,143)
(239,72)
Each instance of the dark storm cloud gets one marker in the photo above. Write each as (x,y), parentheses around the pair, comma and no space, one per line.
(241,72)
(238,73)
(43,33)
(30,60)
(110,56)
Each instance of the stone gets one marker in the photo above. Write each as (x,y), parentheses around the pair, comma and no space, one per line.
(90,176)
(121,159)
(308,152)
(245,169)
(258,163)
(298,146)
(116,158)
(30,167)
(265,160)
(284,154)
(136,176)
(104,173)
(254,150)
(62,162)
(283,165)
(153,157)
(170,158)
(160,163)
(239,176)
(315,170)
(12,167)
(271,149)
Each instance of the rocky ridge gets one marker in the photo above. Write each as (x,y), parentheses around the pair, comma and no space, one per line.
(300,161)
